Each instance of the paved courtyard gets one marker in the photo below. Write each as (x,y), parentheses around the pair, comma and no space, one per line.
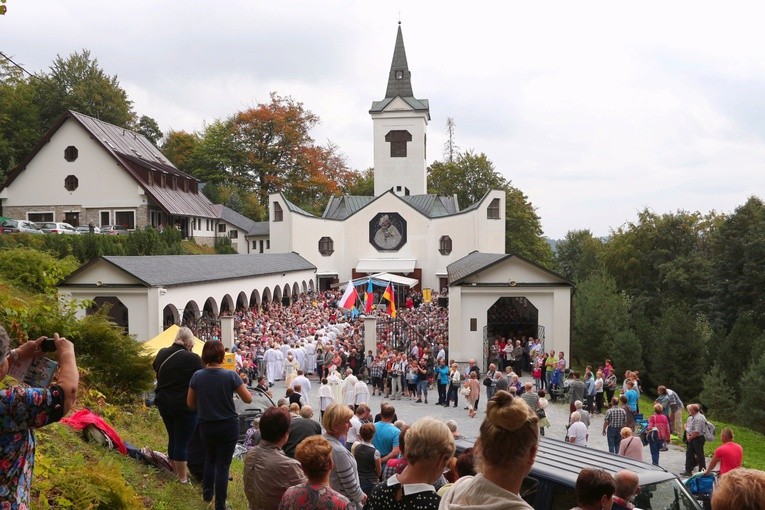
(407,410)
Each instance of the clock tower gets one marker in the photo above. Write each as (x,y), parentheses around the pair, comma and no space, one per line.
(400,131)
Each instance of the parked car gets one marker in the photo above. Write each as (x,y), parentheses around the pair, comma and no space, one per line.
(114,230)
(260,402)
(550,484)
(57,228)
(85,229)
(23,226)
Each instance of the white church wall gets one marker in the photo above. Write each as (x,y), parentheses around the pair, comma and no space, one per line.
(406,172)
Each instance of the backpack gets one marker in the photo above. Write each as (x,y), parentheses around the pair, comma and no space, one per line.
(709,431)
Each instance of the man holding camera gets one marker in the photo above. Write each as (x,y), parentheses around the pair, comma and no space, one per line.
(23,409)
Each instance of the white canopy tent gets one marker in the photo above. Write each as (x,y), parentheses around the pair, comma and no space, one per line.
(381,280)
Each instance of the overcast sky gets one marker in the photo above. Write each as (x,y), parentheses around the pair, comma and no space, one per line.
(595,110)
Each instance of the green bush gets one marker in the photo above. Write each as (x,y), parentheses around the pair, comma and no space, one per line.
(113,361)
(223,246)
(34,270)
(719,395)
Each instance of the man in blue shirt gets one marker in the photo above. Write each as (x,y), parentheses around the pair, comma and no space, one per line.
(386,435)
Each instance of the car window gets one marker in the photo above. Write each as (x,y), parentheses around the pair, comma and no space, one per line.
(529,490)
(561,498)
(662,495)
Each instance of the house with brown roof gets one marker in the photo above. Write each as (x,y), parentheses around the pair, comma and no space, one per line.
(85,170)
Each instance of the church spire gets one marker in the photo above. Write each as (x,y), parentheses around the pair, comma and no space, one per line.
(399,79)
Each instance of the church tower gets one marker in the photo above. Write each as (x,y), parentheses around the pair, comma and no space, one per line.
(400,124)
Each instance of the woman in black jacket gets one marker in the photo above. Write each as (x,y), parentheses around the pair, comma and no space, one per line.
(174,367)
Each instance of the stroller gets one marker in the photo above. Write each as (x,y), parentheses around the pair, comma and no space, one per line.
(701,487)
(559,387)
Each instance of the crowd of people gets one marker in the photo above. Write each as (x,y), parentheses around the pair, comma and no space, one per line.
(345,457)
(312,338)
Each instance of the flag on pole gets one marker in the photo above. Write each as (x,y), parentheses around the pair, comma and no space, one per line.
(348,300)
(370,297)
(388,294)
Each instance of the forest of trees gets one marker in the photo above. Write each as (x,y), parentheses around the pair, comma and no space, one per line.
(678,296)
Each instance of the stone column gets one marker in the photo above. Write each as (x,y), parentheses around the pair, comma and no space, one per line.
(227,331)
(370,334)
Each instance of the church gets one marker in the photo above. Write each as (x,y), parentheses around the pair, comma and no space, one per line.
(401,229)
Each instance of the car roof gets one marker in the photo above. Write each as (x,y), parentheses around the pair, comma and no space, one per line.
(561,462)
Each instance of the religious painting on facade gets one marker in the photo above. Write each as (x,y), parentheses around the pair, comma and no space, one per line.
(387,231)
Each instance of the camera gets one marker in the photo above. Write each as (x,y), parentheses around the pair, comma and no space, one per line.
(48,345)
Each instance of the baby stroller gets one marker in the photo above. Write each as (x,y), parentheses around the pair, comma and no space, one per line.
(559,387)
(701,487)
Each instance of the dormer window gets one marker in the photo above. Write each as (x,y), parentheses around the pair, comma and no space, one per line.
(399,75)
(164,181)
(150,178)
(398,140)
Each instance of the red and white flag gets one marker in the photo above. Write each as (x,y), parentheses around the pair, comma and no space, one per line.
(348,300)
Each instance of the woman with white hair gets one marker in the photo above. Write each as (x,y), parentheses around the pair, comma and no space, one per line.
(174,367)
(429,446)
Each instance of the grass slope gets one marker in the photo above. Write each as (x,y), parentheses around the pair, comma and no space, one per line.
(71,473)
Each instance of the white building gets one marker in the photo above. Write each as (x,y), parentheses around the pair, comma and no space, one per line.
(493,294)
(148,294)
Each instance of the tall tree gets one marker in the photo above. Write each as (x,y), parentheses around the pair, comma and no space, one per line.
(470,177)
(662,259)
(523,229)
(78,83)
(179,147)
(676,352)
(19,112)
(578,255)
(739,266)
(752,408)
(450,146)
(149,128)
(269,141)
(361,183)
(602,324)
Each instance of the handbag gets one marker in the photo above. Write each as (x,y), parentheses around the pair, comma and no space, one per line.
(541,413)
(465,391)
(487,381)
